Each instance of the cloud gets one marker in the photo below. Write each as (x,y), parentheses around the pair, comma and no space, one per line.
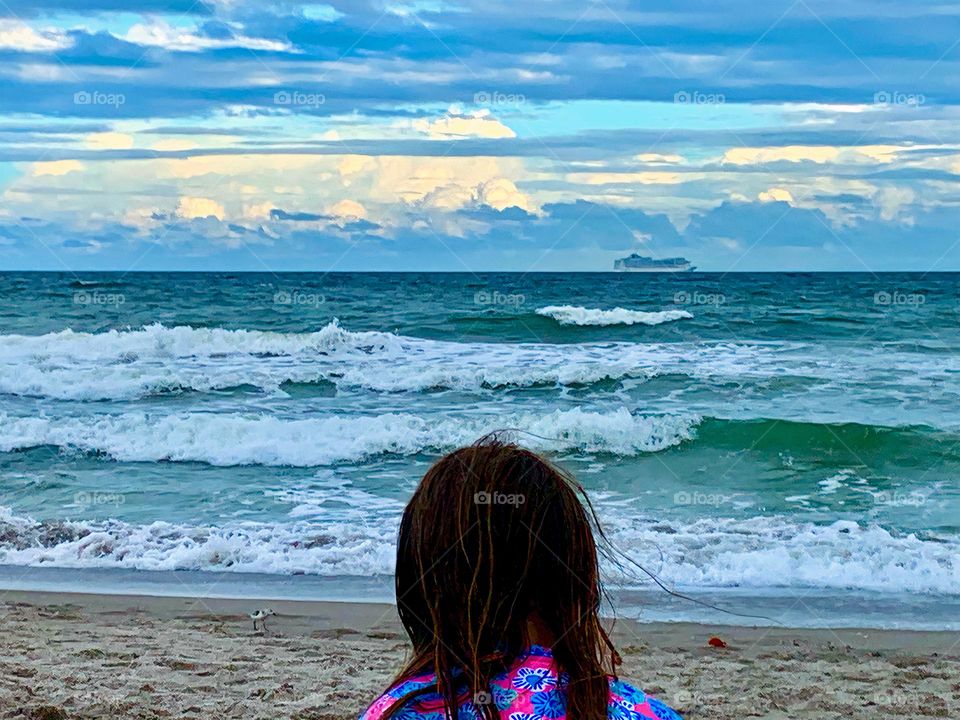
(173,145)
(659,158)
(19,36)
(480,125)
(641,178)
(349,209)
(56,167)
(258,211)
(501,193)
(762,224)
(776,194)
(812,153)
(892,201)
(161,34)
(568,148)
(449,197)
(199,207)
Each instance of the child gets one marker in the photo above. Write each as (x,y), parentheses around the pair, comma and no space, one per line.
(498,588)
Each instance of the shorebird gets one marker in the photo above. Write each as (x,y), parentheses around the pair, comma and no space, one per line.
(260,616)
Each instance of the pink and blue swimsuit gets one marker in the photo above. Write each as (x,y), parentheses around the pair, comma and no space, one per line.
(534,688)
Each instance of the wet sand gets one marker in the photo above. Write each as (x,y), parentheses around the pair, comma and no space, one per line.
(67,655)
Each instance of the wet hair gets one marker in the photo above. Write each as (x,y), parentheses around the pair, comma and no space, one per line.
(496,536)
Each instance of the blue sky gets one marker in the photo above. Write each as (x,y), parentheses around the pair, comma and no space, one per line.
(479,135)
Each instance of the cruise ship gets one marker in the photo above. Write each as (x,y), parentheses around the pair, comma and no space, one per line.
(641,263)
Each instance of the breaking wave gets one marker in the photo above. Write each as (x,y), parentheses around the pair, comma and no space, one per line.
(575,315)
(759,552)
(242,439)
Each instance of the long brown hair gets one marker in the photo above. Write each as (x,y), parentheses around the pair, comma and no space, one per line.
(494,537)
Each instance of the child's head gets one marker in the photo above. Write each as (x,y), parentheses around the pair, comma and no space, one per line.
(496,550)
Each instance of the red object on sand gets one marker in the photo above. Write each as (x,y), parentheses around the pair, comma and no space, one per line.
(716,642)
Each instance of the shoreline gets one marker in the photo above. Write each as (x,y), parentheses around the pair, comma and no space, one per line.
(809,609)
(90,655)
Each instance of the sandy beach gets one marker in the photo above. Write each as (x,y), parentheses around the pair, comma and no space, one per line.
(96,656)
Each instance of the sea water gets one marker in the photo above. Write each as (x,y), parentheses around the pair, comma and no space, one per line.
(779,444)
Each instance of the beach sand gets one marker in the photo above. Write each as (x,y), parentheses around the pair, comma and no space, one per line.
(109,656)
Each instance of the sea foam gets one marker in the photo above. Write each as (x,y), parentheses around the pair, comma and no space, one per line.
(764,552)
(251,439)
(126,365)
(575,315)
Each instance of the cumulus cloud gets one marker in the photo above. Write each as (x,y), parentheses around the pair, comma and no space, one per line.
(501,193)
(347,209)
(479,124)
(776,194)
(449,197)
(258,211)
(199,207)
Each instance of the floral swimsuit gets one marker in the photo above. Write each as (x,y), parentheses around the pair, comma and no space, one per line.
(532,689)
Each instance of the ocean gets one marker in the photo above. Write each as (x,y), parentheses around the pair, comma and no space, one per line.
(778,444)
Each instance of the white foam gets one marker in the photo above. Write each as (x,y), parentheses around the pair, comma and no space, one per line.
(134,363)
(342,548)
(241,439)
(123,365)
(777,552)
(575,315)
(766,552)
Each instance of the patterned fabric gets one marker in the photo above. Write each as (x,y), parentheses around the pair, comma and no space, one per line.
(533,689)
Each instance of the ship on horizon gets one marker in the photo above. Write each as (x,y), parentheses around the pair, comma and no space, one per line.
(641,263)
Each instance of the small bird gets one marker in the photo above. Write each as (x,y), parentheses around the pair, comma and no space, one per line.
(260,616)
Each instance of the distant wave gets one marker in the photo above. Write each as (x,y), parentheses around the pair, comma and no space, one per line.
(574,315)
(748,552)
(152,360)
(234,439)
(129,364)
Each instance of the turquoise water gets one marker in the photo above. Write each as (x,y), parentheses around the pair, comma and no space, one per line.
(760,438)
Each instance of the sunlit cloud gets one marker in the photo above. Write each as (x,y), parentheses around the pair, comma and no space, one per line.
(19,36)
(160,34)
(199,207)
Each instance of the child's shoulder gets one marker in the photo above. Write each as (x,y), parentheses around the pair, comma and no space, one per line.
(628,703)
(534,689)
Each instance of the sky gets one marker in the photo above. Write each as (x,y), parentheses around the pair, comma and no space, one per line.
(469,136)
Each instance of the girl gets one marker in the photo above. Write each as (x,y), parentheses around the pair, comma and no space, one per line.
(498,588)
